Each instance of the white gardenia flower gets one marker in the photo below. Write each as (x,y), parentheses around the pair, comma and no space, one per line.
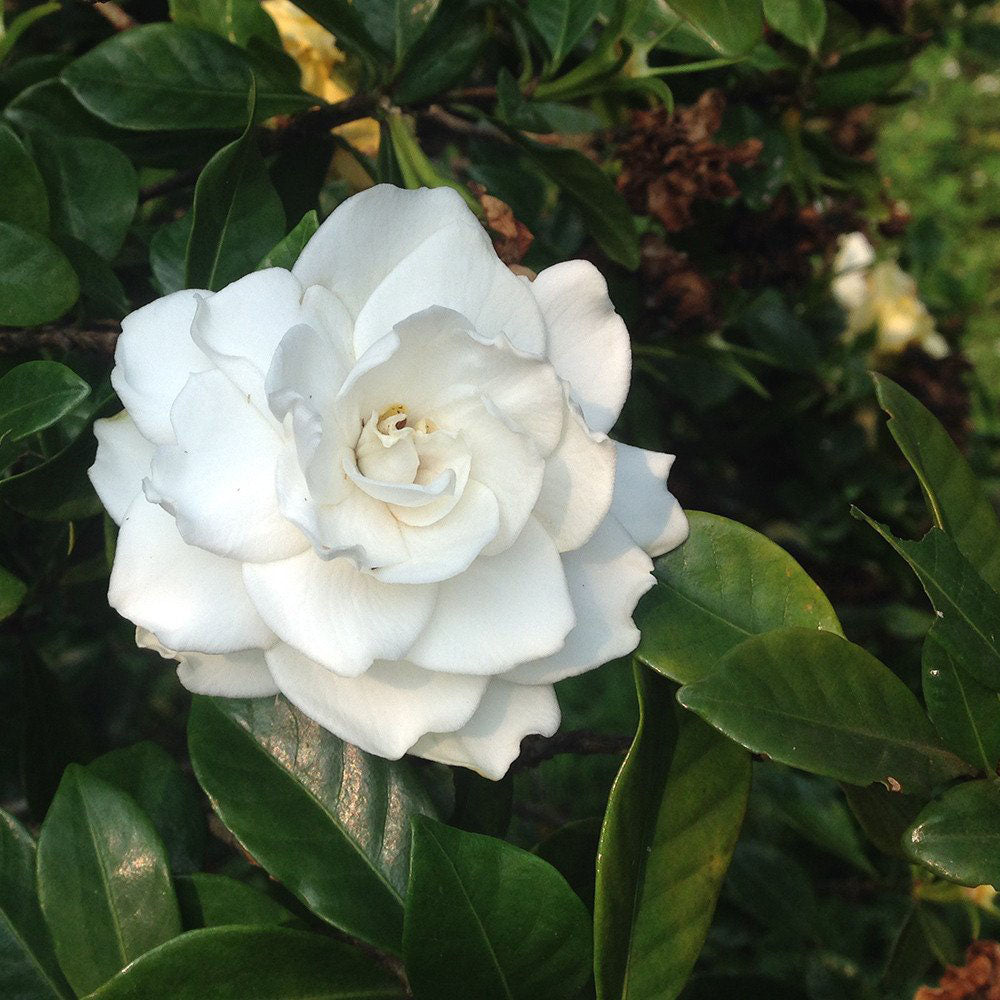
(381,484)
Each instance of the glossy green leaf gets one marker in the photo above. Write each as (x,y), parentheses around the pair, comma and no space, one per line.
(102,294)
(883,815)
(169,798)
(864,72)
(562,23)
(723,585)
(411,22)
(24,201)
(965,712)
(219,901)
(954,497)
(93,190)
(12,591)
(28,967)
(800,21)
(595,196)
(958,835)
(169,77)
(236,217)
(731,27)
(287,250)
(103,880)
(572,851)
(252,963)
(343,19)
(967,609)
(269,771)
(672,822)
(37,284)
(167,250)
(471,902)
(34,396)
(818,702)
(237,21)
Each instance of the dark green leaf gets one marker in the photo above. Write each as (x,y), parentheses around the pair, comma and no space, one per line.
(562,23)
(24,201)
(218,901)
(269,770)
(983,37)
(816,701)
(252,963)
(910,956)
(954,497)
(800,21)
(103,880)
(866,72)
(482,805)
(169,77)
(672,822)
(12,591)
(883,815)
(237,216)
(28,967)
(965,713)
(287,250)
(167,250)
(595,196)
(237,21)
(348,25)
(34,396)
(102,293)
(93,190)
(411,22)
(572,851)
(958,834)
(724,584)
(968,611)
(37,284)
(731,27)
(20,24)
(170,799)
(486,920)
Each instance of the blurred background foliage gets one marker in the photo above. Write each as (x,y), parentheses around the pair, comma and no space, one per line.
(713,186)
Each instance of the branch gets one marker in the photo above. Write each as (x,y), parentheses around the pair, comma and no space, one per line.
(536,750)
(101,337)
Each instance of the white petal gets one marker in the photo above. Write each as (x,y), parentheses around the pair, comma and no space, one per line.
(219,479)
(384,710)
(122,463)
(190,599)
(335,613)
(502,610)
(456,268)
(606,579)
(491,740)
(578,484)
(446,548)
(242,674)
(588,342)
(646,508)
(154,358)
(369,234)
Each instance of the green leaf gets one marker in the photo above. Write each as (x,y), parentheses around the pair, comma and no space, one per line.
(12,591)
(169,798)
(965,712)
(28,967)
(411,22)
(595,196)
(37,284)
(24,201)
(269,770)
(958,835)
(800,21)
(168,77)
(486,920)
(286,252)
(968,611)
(167,250)
(252,963)
(672,822)
(103,880)
(93,190)
(723,585)
(883,815)
(954,497)
(562,23)
(102,293)
(237,21)
(816,701)
(572,851)
(347,23)
(237,216)
(865,72)
(21,23)
(220,901)
(482,805)
(731,27)
(34,396)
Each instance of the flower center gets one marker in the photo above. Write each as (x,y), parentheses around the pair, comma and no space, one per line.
(388,448)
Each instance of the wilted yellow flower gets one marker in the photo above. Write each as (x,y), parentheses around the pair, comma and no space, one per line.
(316,52)
(980,895)
(884,297)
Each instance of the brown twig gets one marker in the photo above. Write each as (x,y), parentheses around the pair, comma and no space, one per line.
(538,749)
(100,337)
(115,15)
